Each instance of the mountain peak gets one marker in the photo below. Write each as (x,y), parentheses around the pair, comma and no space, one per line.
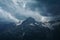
(29,20)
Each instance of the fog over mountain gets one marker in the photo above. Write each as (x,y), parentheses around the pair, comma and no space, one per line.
(22,9)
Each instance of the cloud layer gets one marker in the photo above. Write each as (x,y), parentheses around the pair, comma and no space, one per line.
(17,9)
(6,16)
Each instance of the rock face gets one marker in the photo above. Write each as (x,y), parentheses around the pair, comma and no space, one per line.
(33,30)
(29,30)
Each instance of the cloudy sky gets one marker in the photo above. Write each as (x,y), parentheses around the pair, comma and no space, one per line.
(18,10)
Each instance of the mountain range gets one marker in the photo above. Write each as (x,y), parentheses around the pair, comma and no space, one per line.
(29,29)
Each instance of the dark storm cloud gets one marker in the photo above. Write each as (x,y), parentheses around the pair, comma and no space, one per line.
(52,7)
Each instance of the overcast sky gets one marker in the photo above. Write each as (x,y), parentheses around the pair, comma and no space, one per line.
(15,10)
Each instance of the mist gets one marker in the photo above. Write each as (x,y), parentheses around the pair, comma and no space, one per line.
(19,7)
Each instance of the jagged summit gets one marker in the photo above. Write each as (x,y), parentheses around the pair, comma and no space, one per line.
(29,20)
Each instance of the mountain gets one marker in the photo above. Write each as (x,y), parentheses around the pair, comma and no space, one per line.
(29,29)
(33,30)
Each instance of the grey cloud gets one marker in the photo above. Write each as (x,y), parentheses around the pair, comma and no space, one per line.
(6,16)
(52,7)
(14,8)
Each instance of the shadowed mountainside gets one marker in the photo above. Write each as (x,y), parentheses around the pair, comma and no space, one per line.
(28,30)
